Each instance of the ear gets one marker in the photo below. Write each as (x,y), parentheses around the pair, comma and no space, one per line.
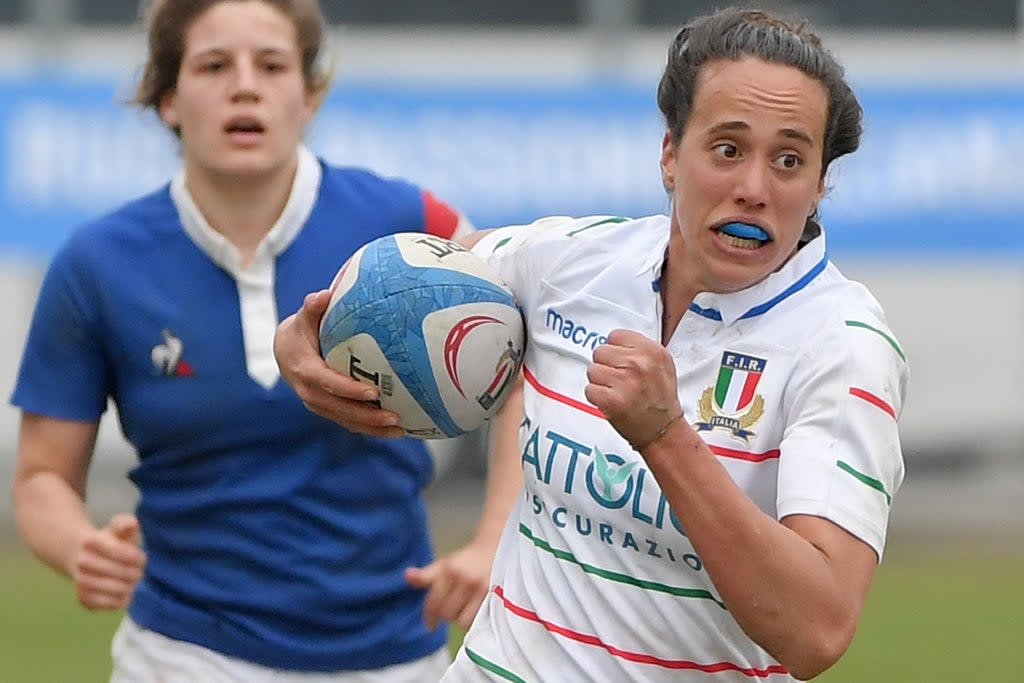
(668,160)
(819,194)
(169,109)
(313,100)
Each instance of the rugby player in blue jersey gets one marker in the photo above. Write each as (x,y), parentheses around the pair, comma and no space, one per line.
(268,543)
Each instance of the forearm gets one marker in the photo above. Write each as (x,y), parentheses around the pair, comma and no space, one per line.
(505,472)
(458,583)
(781,589)
(51,517)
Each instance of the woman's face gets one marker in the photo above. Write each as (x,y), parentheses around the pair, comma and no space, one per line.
(241,102)
(751,153)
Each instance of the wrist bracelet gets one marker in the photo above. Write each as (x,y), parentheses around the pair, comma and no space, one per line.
(661,432)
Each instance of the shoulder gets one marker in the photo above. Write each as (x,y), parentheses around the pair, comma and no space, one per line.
(352,178)
(823,306)
(848,305)
(559,235)
(846,326)
(150,219)
(110,248)
(396,200)
(596,254)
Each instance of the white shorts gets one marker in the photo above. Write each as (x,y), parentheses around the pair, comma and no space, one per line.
(144,656)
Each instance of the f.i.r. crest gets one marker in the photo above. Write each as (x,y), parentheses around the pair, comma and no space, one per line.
(733,404)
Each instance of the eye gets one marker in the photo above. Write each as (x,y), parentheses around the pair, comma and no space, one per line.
(789,160)
(725,150)
(213,66)
(275,67)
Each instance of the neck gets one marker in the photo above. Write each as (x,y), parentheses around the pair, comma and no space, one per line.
(676,292)
(242,209)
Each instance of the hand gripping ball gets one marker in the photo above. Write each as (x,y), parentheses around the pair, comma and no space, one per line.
(431,325)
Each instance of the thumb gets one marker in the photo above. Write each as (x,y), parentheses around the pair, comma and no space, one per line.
(125,528)
(315,304)
(422,577)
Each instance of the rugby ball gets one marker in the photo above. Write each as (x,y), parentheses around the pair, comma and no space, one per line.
(431,325)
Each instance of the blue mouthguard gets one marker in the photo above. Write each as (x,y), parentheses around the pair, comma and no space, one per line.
(745,231)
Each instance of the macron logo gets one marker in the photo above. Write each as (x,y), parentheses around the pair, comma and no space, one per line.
(577,334)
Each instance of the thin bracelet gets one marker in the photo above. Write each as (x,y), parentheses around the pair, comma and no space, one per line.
(661,433)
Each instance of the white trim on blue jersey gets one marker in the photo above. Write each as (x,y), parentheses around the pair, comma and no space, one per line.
(256,280)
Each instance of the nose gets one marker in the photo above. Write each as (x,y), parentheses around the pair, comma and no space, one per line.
(752,184)
(245,83)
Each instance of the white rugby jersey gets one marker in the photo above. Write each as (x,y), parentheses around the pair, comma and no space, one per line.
(795,384)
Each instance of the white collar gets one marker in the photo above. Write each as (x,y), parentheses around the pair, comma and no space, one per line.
(304,191)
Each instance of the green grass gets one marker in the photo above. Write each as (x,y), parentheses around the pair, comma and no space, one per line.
(929,619)
(46,636)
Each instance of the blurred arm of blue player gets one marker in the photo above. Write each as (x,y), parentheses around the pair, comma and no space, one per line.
(49,505)
(459,582)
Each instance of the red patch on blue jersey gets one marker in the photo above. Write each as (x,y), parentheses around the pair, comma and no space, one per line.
(439,218)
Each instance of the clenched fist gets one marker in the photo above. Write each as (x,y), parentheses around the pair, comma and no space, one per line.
(633,382)
(108,564)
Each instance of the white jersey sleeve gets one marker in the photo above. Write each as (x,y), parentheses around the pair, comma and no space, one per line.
(841,456)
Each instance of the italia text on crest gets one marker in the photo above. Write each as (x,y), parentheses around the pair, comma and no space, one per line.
(733,403)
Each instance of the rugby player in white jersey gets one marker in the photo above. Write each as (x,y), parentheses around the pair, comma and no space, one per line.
(708,436)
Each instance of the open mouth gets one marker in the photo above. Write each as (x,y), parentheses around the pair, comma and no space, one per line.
(244,126)
(744,235)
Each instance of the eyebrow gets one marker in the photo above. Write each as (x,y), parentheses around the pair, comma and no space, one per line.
(729,126)
(221,51)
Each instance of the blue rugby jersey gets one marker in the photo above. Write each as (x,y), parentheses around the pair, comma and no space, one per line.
(272,534)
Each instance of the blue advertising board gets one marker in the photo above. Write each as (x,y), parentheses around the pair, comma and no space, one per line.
(938,173)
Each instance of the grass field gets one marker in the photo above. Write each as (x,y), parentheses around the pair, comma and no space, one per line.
(929,619)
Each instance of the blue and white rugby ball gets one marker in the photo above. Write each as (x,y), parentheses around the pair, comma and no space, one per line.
(431,325)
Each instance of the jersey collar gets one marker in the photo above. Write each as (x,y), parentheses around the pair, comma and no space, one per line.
(808,262)
(299,206)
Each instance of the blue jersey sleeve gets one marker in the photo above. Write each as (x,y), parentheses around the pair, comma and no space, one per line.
(64,370)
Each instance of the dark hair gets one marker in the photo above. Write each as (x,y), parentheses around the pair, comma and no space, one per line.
(167,22)
(734,33)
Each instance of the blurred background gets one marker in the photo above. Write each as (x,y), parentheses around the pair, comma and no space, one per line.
(514,110)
